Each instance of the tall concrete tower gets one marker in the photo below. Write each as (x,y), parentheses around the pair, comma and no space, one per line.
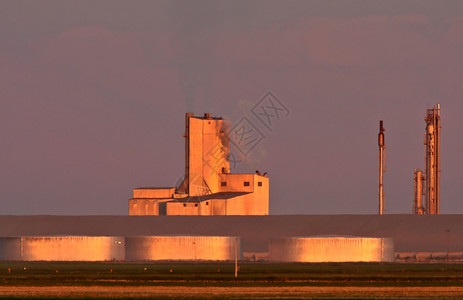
(207,150)
(432,143)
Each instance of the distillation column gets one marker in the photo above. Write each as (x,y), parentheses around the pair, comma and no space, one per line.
(418,208)
(432,143)
(382,149)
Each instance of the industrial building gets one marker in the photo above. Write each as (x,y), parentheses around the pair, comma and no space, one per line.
(215,215)
(208,188)
(432,168)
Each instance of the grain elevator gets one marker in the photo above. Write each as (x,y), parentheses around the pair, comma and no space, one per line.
(208,187)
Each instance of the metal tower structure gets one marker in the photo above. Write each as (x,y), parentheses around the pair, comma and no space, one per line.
(382,149)
(418,208)
(432,143)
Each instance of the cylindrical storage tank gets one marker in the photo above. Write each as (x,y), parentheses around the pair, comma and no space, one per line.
(73,248)
(10,248)
(331,249)
(183,248)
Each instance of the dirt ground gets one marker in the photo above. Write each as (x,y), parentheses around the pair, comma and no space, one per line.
(231,292)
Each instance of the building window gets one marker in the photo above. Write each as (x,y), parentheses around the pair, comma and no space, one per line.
(223,183)
(207,203)
(246,183)
(196,204)
(184,204)
(259,183)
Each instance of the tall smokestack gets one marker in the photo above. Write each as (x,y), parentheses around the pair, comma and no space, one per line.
(432,142)
(382,147)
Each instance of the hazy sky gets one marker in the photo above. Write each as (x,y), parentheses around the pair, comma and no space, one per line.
(93,96)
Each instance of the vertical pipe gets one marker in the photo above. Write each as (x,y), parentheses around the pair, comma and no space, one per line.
(429,158)
(437,126)
(432,142)
(428,167)
(418,193)
(381,168)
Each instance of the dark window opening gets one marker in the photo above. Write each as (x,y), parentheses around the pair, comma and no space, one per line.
(207,203)
(196,204)
(184,204)
(246,183)
(259,183)
(223,183)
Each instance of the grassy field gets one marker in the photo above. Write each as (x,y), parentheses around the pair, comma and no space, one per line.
(216,280)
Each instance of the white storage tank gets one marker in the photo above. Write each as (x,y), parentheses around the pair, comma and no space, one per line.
(216,248)
(331,249)
(72,248)
(10,248)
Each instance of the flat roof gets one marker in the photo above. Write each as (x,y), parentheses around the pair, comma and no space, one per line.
(223,195)
(154,188)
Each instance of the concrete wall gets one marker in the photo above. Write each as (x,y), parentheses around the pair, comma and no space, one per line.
(146,200)
(143,207)
(209,149)
(255,203)
(219,207)
(331,249)
(183,248)
(183,208)
(63,248)
(235,182)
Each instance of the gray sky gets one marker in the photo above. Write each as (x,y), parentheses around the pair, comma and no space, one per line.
(93,96)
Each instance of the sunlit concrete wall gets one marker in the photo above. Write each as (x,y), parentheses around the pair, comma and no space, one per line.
(183,208)
(219,207)
(255,203)
(235,182)
(72,248)
(146,201)
(208,153)
(331,249)
(143,207)
(183,248)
